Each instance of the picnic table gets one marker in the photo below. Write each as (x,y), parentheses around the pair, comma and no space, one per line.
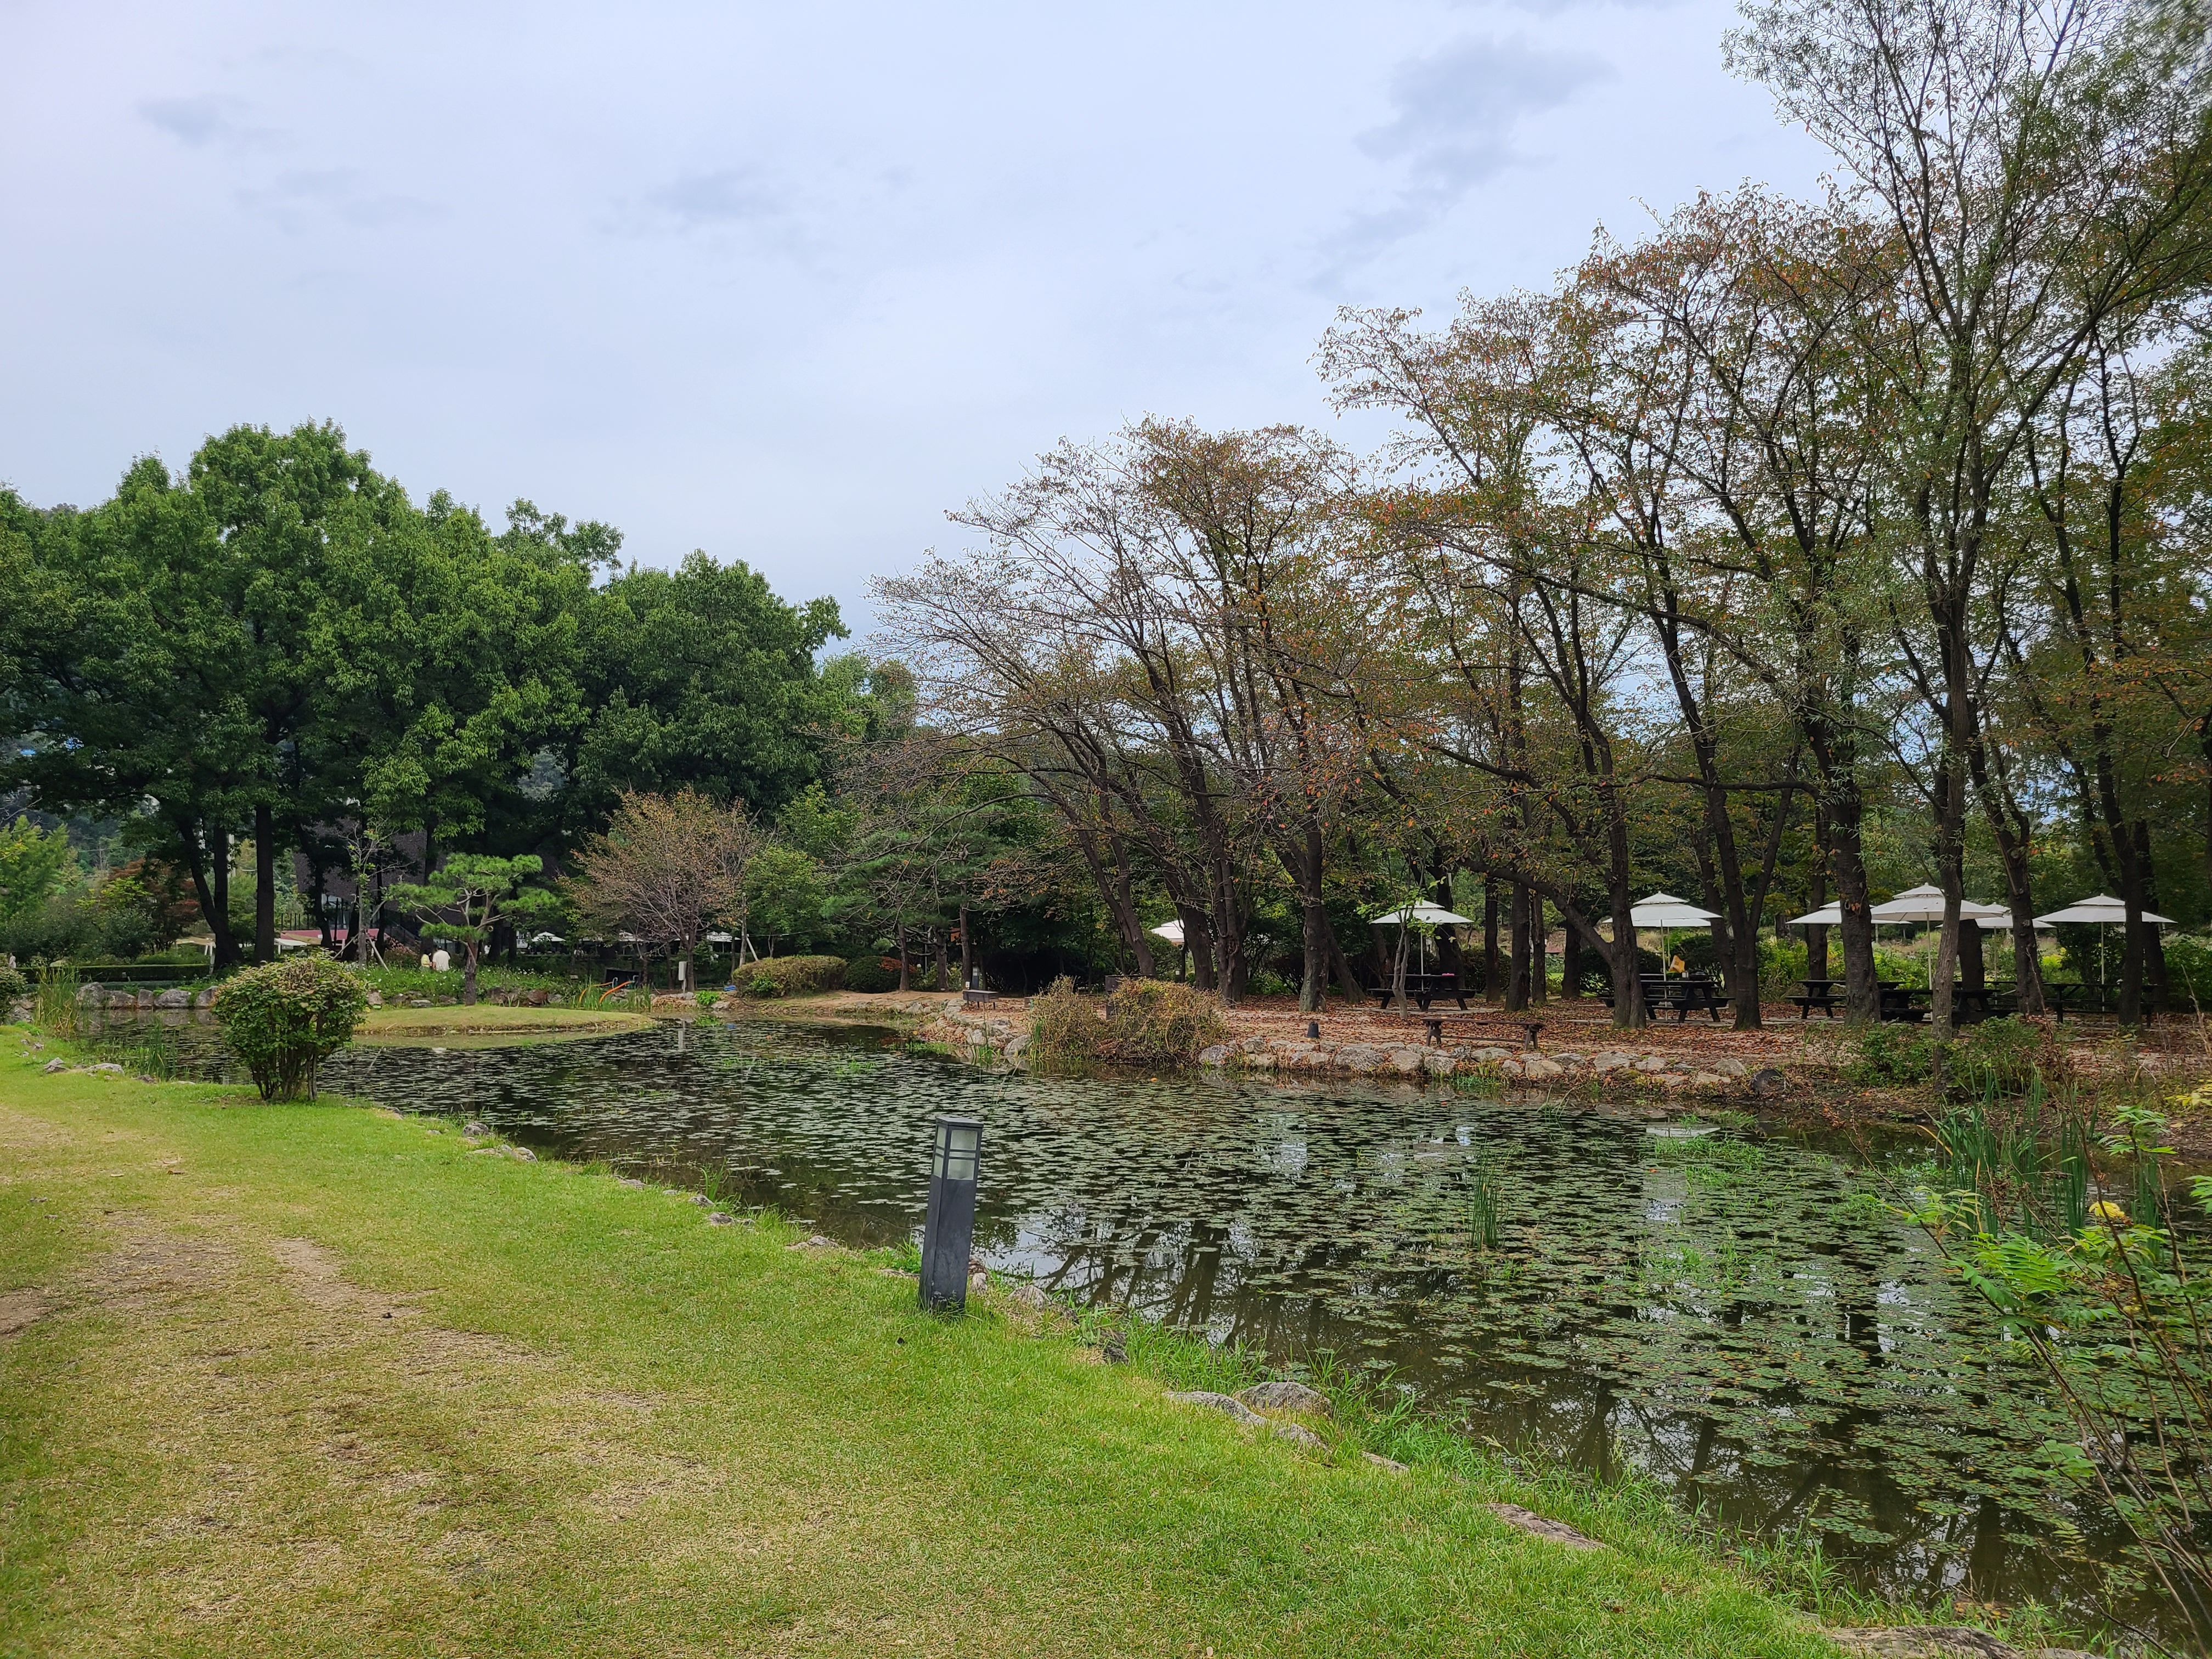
(1691,991)
(1422,990)
(1820,994)
(2079,998)
(1912,1003)
(1436,1024)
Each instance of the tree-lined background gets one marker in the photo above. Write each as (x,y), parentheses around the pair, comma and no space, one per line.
(1788,552)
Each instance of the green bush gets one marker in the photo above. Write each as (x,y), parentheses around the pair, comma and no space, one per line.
(793,976)
(13,986)
(2189,971)
(1892,1055)
(1144,1021)
(52,931)
(870,973)
(1782,963)
(2006,1053)
(285,1018)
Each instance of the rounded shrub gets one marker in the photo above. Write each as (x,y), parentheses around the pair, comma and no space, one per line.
(14,987)
(285,1018)
(870,973)
(791,976)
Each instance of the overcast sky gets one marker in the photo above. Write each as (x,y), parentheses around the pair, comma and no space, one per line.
(786,283)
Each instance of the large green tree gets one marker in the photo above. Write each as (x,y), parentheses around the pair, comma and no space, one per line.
(702,678)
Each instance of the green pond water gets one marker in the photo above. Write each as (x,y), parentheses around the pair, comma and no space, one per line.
(1729,1313)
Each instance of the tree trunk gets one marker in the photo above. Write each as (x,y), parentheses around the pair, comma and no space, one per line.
(264,883)
(1855,908)
(1315,934)
(967,949)
(468,947)
(1450,959)
(2154,949)
(1517,984)
(1950,863)
(1570,967)
(1490,938)
(1621,960)
(1816,891)
(211,887)
(901,932)
(226,953)
(1540,976)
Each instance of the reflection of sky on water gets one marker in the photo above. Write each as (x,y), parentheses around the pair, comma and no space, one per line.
(1696,1307)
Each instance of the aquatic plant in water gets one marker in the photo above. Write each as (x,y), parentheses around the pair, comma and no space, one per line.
(56,1008)
(1482,1184)
(2112,1305)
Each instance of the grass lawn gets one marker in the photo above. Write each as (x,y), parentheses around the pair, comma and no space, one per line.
(308,1380)
(488,1025)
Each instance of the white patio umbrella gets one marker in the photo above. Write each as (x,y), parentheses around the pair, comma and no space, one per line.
(1666,913)
(1421,914)
(2101,910)
(1925,903)
(1170,931)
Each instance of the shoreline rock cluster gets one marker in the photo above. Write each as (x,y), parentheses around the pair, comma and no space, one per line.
(999,1036)
(96,995)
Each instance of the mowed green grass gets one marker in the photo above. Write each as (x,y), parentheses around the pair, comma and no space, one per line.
(312,1380)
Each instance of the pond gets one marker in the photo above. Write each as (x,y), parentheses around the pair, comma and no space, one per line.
(1729,1312)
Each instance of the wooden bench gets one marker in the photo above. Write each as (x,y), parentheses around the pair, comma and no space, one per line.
(1826,1001)
(1436,1024)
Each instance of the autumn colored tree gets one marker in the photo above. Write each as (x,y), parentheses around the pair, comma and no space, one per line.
(666,869)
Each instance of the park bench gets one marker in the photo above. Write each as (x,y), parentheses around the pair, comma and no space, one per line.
(1679,994)
(1436,1024)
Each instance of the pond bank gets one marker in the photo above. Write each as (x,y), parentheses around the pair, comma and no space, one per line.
(258,1404)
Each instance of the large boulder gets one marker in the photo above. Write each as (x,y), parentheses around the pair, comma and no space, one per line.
(178,998)
(1537,1069)
(1929,1642)
(1286,1396)
(1359,1057)
(1407,1060)
(1215,1055)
